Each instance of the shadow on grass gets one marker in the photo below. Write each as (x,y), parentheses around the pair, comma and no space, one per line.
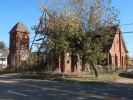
(41,76)
(66,89)
(75,90)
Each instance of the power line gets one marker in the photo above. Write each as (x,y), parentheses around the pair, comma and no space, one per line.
(128,32)
(127,24)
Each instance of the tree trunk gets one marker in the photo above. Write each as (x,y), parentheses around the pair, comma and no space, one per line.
(92,65)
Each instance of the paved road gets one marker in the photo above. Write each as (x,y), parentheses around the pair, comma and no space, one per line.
(27,89)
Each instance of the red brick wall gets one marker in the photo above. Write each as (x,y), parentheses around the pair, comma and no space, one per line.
(18,48)
(118,52)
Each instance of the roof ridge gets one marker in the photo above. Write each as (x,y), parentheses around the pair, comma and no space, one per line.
(19,27)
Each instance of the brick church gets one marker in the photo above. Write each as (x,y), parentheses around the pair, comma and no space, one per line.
(118,52)
(19,50)
(117,56)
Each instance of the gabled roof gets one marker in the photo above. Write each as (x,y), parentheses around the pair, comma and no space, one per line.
(118,31)
(112,31)
(123,42)
(19,27)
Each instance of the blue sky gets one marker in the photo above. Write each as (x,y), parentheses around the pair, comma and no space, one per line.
(13,11)
(28,12)
(126,17)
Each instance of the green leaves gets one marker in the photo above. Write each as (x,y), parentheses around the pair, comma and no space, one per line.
(2,45)
(82,30)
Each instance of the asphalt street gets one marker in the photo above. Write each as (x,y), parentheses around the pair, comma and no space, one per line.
(12,88)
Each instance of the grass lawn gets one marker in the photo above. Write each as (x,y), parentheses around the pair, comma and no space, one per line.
(108,77)
(102,77)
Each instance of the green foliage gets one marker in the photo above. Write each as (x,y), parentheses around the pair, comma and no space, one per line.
(82,31)
(2,45)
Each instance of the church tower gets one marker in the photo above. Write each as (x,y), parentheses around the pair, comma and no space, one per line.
(19,45)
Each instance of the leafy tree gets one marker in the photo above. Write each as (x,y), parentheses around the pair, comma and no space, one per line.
(2,45)
(102,17)
(78,29)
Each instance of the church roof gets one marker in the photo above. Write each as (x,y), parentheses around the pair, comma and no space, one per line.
(123,42)
(118,31)
(19,27)
(112,31)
